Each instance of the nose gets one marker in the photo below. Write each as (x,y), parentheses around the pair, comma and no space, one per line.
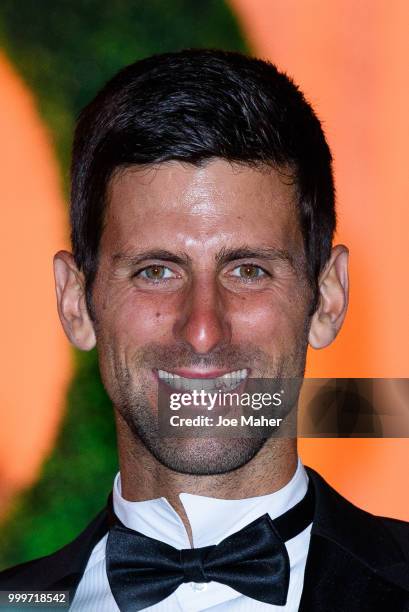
(203,320)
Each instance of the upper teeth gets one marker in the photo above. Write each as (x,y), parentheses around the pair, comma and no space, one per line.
(226,382)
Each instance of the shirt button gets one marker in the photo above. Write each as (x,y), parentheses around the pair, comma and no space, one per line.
(199,586)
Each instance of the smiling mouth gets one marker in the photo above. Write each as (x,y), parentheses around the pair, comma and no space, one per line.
(226,382)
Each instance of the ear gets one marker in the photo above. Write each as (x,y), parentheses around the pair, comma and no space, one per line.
(71,303)
(333,302)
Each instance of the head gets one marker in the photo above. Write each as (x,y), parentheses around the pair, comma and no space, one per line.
(202,223)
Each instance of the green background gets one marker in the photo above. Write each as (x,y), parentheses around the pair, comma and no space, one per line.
(65,51)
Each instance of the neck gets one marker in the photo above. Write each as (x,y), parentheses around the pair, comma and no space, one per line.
(143,477)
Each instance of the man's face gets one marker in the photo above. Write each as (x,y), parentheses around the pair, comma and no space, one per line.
(201,273)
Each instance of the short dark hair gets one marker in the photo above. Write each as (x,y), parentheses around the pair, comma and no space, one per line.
(192,106)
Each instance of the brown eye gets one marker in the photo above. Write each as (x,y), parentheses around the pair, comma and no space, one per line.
(249,272)
(155,273)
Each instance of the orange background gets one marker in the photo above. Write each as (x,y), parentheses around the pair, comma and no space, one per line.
(350,59)
(35,357)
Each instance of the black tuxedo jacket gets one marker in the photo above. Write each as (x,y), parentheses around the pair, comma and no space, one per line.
(357,562)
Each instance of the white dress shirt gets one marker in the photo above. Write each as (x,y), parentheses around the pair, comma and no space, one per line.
(211,521)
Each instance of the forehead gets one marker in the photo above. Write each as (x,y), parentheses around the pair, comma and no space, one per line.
(187,205)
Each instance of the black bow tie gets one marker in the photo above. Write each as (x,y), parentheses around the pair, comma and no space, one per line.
(254,561)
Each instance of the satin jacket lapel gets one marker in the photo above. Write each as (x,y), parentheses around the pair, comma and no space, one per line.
(353,562)
(335,581)
(70,562)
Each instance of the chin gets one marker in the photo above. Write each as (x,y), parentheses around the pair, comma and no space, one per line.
(206,456)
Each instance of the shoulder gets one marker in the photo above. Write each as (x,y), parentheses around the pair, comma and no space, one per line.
(398,529)
(63,568)
(378,542)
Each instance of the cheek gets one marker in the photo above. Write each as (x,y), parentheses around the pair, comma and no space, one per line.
(267,320)
(135,319)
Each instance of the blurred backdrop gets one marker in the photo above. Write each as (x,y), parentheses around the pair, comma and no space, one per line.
(57,440)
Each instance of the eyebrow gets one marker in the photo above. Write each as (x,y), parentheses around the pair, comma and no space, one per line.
(137,258)
(246,252)
(223,257)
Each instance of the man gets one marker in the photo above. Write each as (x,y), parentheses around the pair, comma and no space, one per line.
(202,224)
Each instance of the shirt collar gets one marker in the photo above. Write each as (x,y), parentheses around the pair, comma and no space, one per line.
(211,519)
